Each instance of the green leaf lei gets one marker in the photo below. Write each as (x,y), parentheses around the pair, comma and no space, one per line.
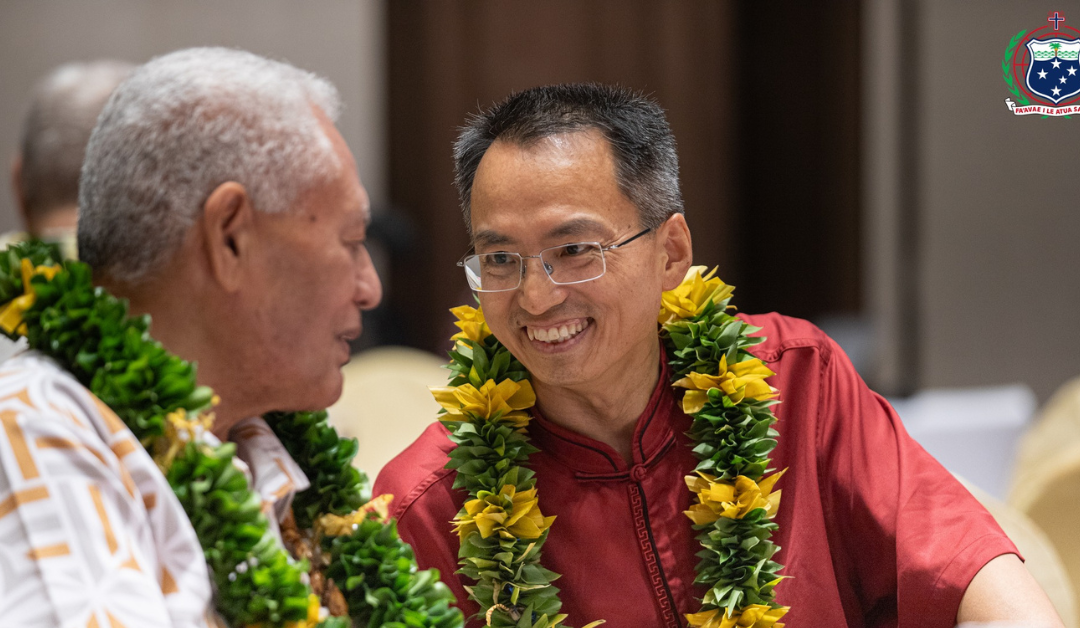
(88,332)
(732,419)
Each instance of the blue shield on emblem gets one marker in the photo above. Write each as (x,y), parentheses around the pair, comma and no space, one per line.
(1054,72)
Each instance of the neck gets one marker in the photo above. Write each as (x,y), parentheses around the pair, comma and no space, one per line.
(608,411)
(171,300)
(56,220)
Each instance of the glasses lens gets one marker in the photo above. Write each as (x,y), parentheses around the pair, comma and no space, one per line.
(493,271)
(573,263)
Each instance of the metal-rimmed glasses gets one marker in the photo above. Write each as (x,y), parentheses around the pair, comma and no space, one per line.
(576,262)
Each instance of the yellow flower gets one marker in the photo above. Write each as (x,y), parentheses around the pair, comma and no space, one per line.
(505,401)
(508,513)
(313,611)
(180,429)
(11,315)
(341,525)
(745,380)
(471,323)
(732,500)
(752,616)
(688,299)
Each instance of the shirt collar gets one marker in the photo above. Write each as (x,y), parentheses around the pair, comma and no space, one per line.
(653,435)
(275,476)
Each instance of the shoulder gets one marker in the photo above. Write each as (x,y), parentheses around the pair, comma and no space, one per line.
(36,367)
(32,383)
(416,471)
(56,427)
(52,409)
(808,364)
(784,334)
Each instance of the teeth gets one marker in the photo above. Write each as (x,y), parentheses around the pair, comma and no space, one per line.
(556,334)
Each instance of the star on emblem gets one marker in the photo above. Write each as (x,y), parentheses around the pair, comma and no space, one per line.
(1056,63)
(1056,91)
(1072,71)
(1063,79)
(1042,73)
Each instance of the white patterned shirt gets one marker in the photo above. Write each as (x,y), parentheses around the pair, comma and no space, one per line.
(91,535)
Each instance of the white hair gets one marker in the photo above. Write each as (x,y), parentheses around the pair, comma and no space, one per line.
(179,127)
(56,128)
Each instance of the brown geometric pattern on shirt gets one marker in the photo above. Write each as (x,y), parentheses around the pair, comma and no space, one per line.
(71,513)
(649,553)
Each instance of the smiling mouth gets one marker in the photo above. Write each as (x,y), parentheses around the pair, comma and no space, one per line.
(557,333)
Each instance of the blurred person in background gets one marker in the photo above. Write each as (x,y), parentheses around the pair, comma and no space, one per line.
(571,197)
(45,171)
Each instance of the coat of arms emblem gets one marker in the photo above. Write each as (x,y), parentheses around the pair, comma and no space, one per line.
(1042,70)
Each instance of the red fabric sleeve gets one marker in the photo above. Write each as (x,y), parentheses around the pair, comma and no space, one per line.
(913,536)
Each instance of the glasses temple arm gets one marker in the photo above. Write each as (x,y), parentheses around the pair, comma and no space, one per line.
(629,240)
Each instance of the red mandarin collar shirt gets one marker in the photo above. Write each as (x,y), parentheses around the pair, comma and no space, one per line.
(874,532)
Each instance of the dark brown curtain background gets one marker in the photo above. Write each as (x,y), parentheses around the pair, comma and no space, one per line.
(763,105)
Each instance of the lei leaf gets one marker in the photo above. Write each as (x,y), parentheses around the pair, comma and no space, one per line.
(511,587)
(89,332)
(337,487)
(375,570)
(731,439)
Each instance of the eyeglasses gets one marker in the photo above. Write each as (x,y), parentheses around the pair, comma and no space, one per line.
(576,262)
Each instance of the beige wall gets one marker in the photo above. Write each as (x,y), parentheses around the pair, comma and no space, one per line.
(995,195)
(340,39)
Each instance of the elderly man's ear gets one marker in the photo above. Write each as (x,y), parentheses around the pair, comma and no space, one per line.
(674,235)
(228,224)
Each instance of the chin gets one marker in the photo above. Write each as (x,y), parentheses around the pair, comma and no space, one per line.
(552,371)
(315,395)
(329,390)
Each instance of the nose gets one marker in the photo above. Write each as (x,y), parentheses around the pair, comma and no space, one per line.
(368,287)
(537,293)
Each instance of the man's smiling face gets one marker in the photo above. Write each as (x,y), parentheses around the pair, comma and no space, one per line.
(558,190)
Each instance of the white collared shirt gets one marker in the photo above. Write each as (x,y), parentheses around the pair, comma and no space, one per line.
(91,535)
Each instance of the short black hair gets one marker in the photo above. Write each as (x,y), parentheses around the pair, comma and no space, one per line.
(646,162)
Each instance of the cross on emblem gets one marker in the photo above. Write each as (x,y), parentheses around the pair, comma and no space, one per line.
(1056,18)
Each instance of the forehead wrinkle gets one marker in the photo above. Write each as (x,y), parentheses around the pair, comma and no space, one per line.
(577,227)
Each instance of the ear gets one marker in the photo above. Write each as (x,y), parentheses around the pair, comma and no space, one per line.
(17,187)
(228,222)
(674,236)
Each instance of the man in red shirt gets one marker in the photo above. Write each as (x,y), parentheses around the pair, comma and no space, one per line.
(873,531)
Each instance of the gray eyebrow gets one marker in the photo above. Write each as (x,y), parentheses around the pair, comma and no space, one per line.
(364,218)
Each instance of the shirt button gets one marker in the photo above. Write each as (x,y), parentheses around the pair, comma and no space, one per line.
(637,474)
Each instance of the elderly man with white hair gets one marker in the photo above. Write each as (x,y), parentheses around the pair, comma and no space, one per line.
(217,197)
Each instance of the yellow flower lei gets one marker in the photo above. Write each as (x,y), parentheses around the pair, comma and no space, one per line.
(501,527)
